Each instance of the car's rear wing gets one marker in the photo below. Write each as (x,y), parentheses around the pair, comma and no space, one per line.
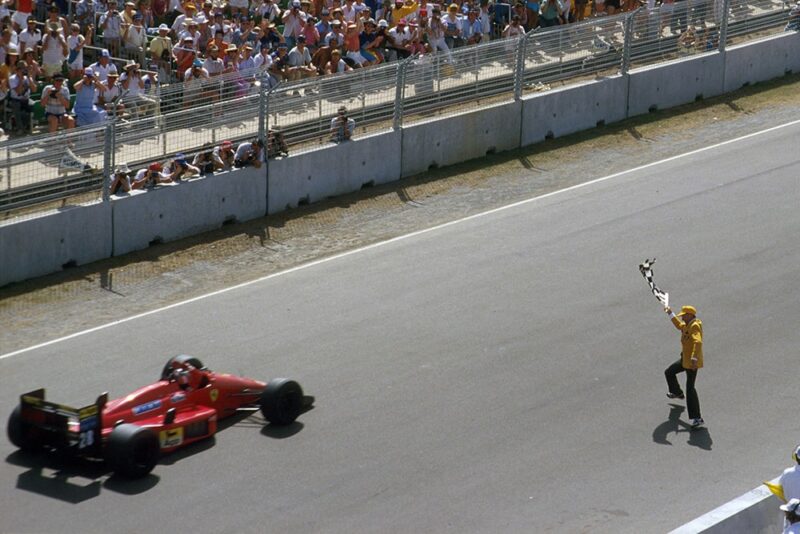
(64,427)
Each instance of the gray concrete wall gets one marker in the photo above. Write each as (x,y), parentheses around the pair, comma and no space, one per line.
(674,83)
(333,170)
(50,241)
(572,109)
(173,211)
(762,60)
(461,137)
(755,512)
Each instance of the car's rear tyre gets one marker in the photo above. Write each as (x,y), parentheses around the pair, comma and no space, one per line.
(21,434)
(182,359)
(282,401)
(132,451)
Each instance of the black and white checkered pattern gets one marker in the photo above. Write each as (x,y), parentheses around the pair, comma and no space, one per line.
(646,268)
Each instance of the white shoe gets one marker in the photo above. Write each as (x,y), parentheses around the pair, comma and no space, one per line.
(697,423)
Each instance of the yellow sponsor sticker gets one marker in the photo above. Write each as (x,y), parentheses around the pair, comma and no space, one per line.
(214,393)
(171,438)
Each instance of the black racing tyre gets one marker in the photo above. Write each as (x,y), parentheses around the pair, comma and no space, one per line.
(181,358)
(20,433)
(132,451)
(282,401)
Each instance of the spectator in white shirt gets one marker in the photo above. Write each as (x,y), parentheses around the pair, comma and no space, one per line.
(54,51)
(30,37)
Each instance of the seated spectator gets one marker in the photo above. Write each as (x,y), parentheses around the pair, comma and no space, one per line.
(34,68)
(342,127)
(471,28)
(55,99)
(180,169)
(336,64)
(398,39)
(54,51)
(87,91)
(370,43)
(249,153)
(335,37)
(270,36)
(322,56)
(150,177)
(103,65)
(213,63)
(280,64)
(109,98)
(20,85)
(120,180)
(514,29)
(133,90)
(300,61)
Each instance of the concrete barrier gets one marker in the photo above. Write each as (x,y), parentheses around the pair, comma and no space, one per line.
(173,211)
(572,109)
(761,60)
(461,137)
(674,83)
(53,240)
(333,170)
(755,512)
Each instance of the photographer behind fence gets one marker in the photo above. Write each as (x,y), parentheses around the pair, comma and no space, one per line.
(342,127)
(249,153)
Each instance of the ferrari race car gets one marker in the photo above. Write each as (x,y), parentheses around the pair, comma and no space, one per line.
(132,432)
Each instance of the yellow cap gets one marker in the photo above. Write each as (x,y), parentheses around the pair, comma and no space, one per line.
(688,309)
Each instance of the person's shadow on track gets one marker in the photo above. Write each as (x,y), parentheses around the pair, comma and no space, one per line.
(697,438)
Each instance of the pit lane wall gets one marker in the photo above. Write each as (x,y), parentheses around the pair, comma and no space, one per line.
(77,235)
(755,512)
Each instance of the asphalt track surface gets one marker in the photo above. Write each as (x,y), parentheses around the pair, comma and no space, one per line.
(502,374)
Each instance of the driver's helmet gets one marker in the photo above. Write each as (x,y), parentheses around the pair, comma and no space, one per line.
(182,378)
(195,376)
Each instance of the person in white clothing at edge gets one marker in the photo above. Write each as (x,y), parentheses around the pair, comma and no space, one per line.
(790,479)
(792,516)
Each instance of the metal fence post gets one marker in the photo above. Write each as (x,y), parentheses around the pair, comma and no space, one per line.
(519,67)
(399,92)
(723,26)
(626,44)
(262,110)
(108,157)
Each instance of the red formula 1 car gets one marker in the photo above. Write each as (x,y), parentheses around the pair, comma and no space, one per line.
(132,432)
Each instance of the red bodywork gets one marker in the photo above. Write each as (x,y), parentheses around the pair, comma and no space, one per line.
(197,409)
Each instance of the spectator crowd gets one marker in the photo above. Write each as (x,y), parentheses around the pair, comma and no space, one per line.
(83,60)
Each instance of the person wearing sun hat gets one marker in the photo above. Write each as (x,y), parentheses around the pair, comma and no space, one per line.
(87,92)
(691,360)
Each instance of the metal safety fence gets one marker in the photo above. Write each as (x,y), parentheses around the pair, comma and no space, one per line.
(197,115)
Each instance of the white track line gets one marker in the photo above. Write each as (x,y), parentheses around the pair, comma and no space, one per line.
(399,238)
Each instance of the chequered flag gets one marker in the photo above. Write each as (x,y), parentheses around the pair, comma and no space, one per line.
(646,268)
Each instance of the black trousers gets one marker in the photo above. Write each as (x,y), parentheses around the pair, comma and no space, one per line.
(692,402)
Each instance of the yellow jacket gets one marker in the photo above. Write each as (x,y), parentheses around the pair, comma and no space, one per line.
(691,341)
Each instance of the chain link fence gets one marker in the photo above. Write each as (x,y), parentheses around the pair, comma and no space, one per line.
(196,115)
